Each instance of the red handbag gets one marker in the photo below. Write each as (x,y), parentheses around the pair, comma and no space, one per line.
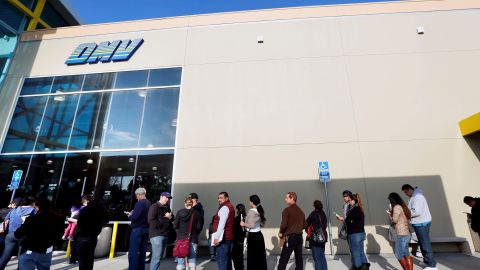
(182,246)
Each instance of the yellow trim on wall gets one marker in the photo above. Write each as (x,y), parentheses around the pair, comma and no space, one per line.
(470,125)
(34,16)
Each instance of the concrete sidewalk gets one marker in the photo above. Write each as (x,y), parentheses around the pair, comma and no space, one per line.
(451,261)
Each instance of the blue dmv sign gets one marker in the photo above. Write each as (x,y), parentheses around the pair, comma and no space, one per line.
(118,50)
(16,178)
(324,171)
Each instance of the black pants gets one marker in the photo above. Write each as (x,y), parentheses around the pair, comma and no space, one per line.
(74,250)
(237,256)
(293,244)
(86,252)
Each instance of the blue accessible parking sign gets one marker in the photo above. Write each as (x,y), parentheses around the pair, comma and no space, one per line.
(324,171)
(16,178)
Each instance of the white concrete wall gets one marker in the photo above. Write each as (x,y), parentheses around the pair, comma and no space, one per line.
(365,92)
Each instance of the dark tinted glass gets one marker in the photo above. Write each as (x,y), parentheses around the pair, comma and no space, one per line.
(88,126)
(57,123)
(32,86)
(8,164)
(124,119)
(44,174)
(25,124)
(64,84)
(154,172)
(98,81)
(160,118)
(165,77)
(131,79)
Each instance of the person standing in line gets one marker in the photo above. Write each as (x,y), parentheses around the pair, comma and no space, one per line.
(15,218)
(318,220)
(139,235)
(223,231)
(160,220)
(421,221)
(355,221)
(197,205)
(292,226)
(13,204)
(346,194)
(185,218)
(212,249)
(37,236)
(73,243)
(238,238)
(400,215)
(89,225)
(474,215)
(256,255)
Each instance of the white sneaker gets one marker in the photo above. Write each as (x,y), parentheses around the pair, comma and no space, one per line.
(430,268)
(418,254)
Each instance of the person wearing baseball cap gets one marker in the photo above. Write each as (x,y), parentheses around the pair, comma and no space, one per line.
(160,220)
(139,235)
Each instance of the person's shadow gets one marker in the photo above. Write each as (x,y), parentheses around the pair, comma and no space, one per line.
(276,249)
(373,246)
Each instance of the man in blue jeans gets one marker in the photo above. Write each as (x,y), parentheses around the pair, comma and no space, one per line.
(222,227)
(139,235)
(160,220)
(421,221)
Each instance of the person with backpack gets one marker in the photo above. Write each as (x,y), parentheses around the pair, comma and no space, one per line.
(317,222)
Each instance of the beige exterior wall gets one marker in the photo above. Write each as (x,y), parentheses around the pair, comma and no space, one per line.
(359,88)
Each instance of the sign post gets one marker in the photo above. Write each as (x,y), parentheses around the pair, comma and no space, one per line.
(15,183)
(324,174)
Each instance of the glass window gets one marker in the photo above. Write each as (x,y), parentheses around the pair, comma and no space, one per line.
(8,164)
(116,177)
(67,84)
(165,77)
(88,126)
(124,120)
(25,124)
(32,86)
(131,79)
(154,172)
(160,118)
(57,123)
(99,81)
(43,175)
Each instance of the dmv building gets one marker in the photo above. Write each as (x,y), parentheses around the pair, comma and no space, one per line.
(249,103)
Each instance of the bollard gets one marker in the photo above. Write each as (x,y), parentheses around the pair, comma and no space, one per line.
(114,239)
(69,250)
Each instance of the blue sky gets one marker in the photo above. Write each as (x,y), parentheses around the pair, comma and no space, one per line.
(100,11)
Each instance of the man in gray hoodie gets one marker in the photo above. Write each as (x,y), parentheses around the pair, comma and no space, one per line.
(421,221)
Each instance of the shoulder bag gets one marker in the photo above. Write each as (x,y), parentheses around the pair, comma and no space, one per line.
(392,233)
(182,246)
(316,237)
(342,233)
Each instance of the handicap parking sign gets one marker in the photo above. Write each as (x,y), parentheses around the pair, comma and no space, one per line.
(324,171)
(16,178)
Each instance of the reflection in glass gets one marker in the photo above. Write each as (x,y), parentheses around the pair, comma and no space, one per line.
(131,79)
(154,172)
(124,119)
(165,77)
(115,178)
(63,84)
(43,175)
(99,81)
(57,123)
(33,86)
(78,179)
(160,118)
(8,164)
(88,126)
(25,124)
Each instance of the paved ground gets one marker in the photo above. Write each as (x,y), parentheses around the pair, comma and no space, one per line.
(453,261)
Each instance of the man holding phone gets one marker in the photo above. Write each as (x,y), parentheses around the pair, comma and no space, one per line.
(160,218)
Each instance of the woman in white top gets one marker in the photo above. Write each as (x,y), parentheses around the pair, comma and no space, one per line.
(256,255)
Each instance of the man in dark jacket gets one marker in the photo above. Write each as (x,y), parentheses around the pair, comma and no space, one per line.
(160,220)
(37,236)
(139,234)
(474,203)
(89,225)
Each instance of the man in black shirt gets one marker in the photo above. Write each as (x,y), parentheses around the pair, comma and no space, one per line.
(160,220)
(38,235)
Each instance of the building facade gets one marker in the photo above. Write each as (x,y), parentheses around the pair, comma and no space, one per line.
(249,103)
(17,16)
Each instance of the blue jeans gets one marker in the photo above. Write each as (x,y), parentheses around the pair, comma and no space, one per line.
(224,260)
(192,258)
(355,241)
(423,235)
(401,246)
(137,249)
(10,245)
(41,261)
(318,254)
(159,243)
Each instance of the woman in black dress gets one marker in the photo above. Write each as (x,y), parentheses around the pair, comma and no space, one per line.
(256,255)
